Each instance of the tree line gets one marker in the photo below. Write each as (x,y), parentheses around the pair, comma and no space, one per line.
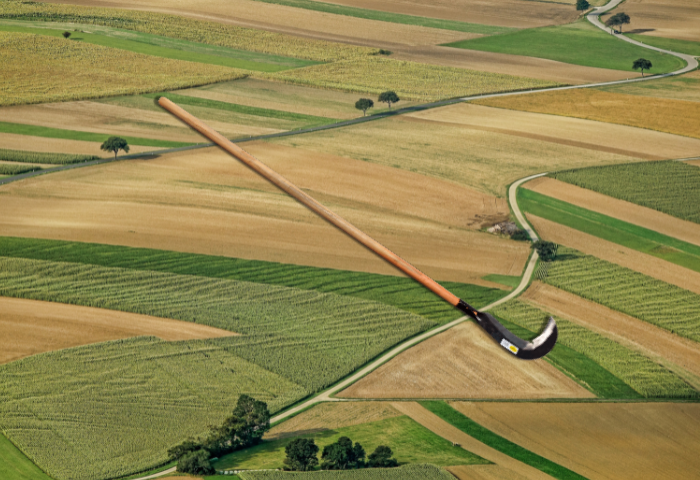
(302,456)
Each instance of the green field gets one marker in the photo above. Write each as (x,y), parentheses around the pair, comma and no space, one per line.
(626,291)
(48,132)
(414,472)
(611,229)
(668,186)
(45,158)
(579,43)
(10,169)
(470,427)
(158,46)
(642,374)
(391,17)
(410,442)
(671,44)
(511,281)
(15,465)
(400,292)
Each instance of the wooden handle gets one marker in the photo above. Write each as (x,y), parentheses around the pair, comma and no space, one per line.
(309,202)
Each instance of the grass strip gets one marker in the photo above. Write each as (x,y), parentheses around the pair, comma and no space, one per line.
(611,229)
(311,120)
(15,465)
(473,429)
(399,292)
(411,471)
(679,46)
(9,169)
(392,17)
(578,43)
(511,281)
(49,132)
(45,158)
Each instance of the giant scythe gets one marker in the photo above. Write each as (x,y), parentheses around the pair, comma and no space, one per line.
(523,349)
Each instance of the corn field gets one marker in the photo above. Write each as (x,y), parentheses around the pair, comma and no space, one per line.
(38,69)
(43,158)
(641,373)
(627,291)
(13,169)
(410,80)
(411,471)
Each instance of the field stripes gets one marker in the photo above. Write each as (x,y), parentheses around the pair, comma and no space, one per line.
(15,465)
(470,427)
(399,292)
(49,132)
(43,158)
(611,229)
(392,17)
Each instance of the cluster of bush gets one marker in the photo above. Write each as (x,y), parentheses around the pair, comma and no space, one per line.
(302,456)
(244,428)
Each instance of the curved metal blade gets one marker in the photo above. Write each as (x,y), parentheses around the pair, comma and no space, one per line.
(523,349)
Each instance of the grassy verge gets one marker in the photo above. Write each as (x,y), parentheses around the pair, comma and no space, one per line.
(410,442)
(611,229)
(44,158)
(15,465)
(414,472)
(507,280)
(668,186)
(392,17)
(48,132)
(578,43)
(671,44)
(470,427)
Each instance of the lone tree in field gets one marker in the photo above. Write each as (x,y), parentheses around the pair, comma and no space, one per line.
(582,5)
(66,34)
(641,63)
(364,104)
(114,144)
(381,458)
(618,20)
(302,455)
(389,97)
(546,250)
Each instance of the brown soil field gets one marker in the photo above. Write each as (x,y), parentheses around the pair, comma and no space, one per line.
(626,211)
(514,469)
(694,162)
(204,201)
(57,145)
(609,441)
(664,18)
(482,472)
(463,362)
(680,355)
(661,114)
(30,327)
(612,252)
(332,415)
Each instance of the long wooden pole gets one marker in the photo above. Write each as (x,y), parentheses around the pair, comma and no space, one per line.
(309,202)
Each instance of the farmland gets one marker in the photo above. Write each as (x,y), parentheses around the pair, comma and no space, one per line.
(685,87)
(664,115)
(665,18)
(15,465)
(417,472)
(43,157)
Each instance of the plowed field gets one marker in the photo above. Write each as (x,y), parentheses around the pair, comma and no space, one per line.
(664,18)
(621,441)
(30,327)
(463,363)
(203,201)
(695,162)
(483,472)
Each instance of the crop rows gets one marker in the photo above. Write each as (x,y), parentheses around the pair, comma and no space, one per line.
(627,291)
(410,80)
(45,158)
(38,68)
(670,187)
(644,375)
(11,169)
(413,471)
(187,29)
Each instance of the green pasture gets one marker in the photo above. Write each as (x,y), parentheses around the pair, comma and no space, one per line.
(43,158)
(414,472)
(158,46)
(470,427)
(410,442)
(15,465)
(49,132)
(578,43)
(511,281)
(391,17)
(671,44)
(611,229)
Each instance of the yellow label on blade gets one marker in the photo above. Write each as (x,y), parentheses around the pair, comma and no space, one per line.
(509,346)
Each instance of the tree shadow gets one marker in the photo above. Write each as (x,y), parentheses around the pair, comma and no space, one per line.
(641,30)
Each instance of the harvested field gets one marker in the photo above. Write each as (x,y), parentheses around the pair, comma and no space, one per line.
(678,354)
(14,141)
(655,441)
(463,363)
(664,115)
(621,209)
(331,416)
(634,260)
(483,472)
(30,327)
(664,18)
(206,202)
(694,162)
(685,87)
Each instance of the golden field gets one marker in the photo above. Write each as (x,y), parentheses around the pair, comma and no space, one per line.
(665,18)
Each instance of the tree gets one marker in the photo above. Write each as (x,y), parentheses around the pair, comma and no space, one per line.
(582,5)
(66,34)
(301,455)
(114,144)
(244,428)
(381,458)
(342,455)
(618,20)
(188,446)
(364,104)
(389,97)
(546,250)
(642,63)
(196,463)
